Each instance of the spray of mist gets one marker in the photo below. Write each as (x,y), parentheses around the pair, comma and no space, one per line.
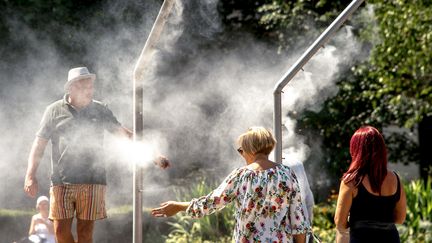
(197,99)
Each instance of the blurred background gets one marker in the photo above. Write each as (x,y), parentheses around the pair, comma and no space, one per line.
(211,77)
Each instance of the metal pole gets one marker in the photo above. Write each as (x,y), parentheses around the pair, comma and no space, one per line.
(138,84)
(307,55)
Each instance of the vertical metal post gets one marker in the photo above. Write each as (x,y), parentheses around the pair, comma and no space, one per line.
(138,87)
(307,55)
(137,170)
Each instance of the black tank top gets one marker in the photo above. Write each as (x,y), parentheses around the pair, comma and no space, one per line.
(369,207)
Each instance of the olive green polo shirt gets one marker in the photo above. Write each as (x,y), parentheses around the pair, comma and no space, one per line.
(77,141)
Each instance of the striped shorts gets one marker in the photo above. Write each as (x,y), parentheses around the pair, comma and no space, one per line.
(86,200)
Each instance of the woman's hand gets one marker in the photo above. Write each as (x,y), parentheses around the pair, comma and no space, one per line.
(169,208)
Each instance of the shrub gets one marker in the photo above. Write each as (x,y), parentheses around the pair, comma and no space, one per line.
(418,223)
(216,227)
(323,225)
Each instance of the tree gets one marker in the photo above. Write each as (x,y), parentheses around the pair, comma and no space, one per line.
(392,87)
(400,68)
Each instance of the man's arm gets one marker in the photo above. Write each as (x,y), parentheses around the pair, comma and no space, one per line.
(36,153)
(124,132)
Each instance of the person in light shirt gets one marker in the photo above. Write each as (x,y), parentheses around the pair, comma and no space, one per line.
(41,228)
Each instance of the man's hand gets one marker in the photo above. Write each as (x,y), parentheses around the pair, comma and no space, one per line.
(36,152)
(162,162)
(31,186)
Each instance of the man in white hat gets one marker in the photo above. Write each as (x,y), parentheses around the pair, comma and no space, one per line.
(75,125)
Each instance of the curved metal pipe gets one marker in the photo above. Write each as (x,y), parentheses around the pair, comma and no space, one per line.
(307,55)
(138,83)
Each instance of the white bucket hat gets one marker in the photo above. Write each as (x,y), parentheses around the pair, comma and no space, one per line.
(78,73)
(41,199)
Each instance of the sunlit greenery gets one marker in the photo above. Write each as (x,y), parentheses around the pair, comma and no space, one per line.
(15,213)
(213,228)
(418,225)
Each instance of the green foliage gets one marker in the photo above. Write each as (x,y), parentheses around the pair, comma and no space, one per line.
(418,223)
(292,22)
(124,209)
(213,228)
(395,83)
(323,226)
(392,87)
(15,213)
(399,71)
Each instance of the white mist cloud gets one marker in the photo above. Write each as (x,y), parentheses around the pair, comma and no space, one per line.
(130,152)
(310,88)
(198,98)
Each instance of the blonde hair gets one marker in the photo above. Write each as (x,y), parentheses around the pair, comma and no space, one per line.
(257,140)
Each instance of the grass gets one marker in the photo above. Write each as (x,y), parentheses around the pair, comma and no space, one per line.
(15,213)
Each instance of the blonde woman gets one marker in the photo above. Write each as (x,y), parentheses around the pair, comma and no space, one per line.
(266,196)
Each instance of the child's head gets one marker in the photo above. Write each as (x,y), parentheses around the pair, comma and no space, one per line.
(42,203)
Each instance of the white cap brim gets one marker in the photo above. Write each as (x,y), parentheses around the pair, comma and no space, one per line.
(41,199)
(69,82)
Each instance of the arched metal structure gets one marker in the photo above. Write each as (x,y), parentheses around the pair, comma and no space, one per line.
(307,55)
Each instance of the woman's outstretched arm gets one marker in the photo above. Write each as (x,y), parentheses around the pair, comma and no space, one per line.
(169,208)
(205,205)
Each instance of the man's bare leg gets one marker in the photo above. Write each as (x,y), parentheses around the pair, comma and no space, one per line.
(85,231)
(63,230)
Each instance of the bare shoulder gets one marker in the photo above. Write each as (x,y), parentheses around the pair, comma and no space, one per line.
(390,183)
(348,189)
(349,186)
(391,178)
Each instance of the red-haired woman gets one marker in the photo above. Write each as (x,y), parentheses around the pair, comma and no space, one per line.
(371,198)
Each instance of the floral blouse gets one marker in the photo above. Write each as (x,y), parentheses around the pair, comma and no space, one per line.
(268,204)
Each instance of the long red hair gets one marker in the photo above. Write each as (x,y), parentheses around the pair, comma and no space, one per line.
(368,157)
